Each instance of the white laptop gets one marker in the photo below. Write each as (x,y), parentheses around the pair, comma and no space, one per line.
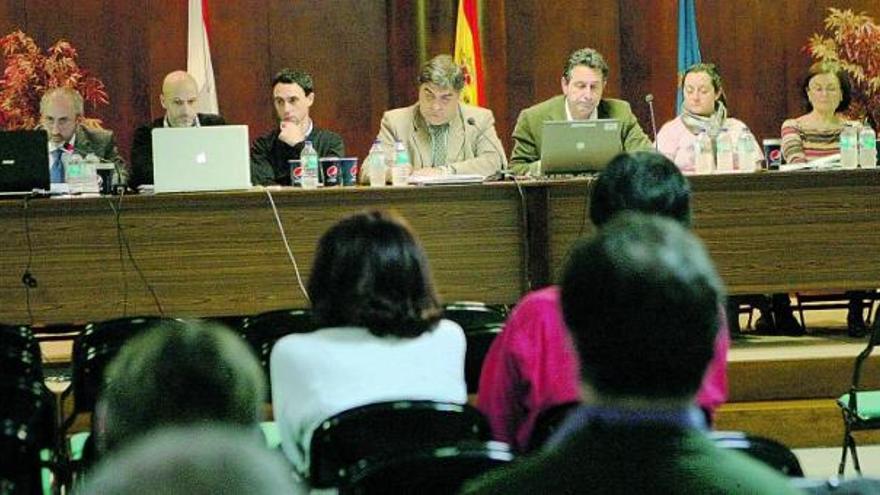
(213,158)
(579,146)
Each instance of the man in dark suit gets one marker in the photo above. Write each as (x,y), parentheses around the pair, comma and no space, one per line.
(179,98)
(293,93)
(641,301)
(61,115)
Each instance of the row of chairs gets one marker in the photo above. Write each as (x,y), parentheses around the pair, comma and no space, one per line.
(27,413)
(97,344)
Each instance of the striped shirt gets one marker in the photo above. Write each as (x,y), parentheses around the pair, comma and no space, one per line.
(800,145)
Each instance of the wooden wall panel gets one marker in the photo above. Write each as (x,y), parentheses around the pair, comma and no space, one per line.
(365,55)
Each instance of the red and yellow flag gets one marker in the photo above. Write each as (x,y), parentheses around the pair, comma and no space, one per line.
(467,53)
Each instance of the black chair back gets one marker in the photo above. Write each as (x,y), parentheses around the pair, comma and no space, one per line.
(432,470)
(387,427)
(27,419)
(479,340)
(770,452)
(473,315)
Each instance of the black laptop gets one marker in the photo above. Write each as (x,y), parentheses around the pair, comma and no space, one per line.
(24,162)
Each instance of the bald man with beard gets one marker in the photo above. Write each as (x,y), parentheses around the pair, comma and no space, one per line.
(179,98)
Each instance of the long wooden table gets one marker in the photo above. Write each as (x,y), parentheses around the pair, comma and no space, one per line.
(206,254)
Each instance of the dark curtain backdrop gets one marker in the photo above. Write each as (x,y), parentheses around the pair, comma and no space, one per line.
(365,55)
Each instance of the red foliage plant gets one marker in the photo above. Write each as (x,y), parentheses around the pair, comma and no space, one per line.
(28,73)
(853,43)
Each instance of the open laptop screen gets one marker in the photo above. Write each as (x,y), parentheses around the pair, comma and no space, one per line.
(24,161)
(214,158)
(579,146)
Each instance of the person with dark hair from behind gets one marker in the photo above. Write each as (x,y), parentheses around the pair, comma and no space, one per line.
(641,300)
(293,93)
(381,337)
(193,460)
(179,373)
(532,366)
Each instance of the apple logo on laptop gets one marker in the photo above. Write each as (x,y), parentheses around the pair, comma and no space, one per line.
(202,158)
(580,145)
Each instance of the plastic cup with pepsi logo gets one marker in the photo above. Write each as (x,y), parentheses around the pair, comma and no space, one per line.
(348,171)
(296,172)
(330,171)
(773,153)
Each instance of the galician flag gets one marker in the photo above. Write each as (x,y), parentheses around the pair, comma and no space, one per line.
(198,56)
(468,54)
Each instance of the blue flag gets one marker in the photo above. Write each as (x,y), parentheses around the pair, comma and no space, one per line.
(688,42)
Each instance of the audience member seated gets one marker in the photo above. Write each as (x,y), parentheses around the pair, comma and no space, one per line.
(179,373)
(532,366)
(642,301)
(216,460)
(61,115)
(179,98)
(293,93)
(705,109)
(443,135)
(381,335)
(583,83)
(816,134)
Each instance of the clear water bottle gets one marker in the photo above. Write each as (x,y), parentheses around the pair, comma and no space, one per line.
(376,164)
(867,147)
(75,175)
(746,158)
(704,157)
(849,152)
(309,159)
(400,168)
(724,151)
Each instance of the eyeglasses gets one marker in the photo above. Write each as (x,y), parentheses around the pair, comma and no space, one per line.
(824,89)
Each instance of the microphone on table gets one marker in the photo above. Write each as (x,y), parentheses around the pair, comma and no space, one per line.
(501,173)
(649,99)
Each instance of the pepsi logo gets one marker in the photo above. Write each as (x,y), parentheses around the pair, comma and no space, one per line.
(776,154)
(354,171)
(298,171)
(332,171)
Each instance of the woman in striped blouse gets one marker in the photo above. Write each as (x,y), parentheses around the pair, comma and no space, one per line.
(817,133)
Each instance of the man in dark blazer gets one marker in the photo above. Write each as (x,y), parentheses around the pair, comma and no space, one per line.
(179,98)
(61,115)
(583,83)
(641,300)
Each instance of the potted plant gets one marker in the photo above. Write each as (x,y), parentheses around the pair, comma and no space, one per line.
(853,42)
(28,73)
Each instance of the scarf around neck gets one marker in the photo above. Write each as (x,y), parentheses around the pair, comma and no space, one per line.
(711,124)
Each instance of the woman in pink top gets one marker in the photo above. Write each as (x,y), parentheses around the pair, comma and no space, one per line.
(532,366)
(704,110)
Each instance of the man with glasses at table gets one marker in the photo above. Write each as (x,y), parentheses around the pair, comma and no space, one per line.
(583,81)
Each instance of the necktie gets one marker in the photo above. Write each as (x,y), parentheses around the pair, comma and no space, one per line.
(57,170)
(438,144)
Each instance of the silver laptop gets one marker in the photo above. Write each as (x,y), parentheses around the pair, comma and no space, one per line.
(214,158)
(579,146)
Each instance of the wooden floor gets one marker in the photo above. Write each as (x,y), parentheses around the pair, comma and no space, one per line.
(785,387)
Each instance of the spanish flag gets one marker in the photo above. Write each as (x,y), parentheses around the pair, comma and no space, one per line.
(467,53)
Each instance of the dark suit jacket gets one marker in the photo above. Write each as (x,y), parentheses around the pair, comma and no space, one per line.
(142,147)
(102,144)
(527,135)
(634,458)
